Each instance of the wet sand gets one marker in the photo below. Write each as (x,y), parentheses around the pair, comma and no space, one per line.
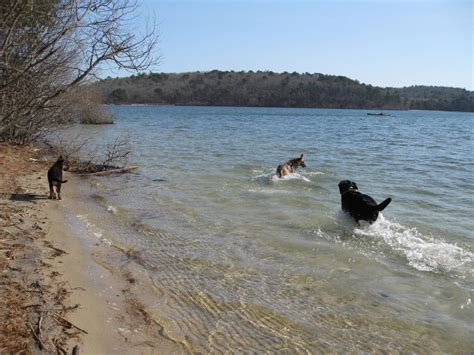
(54,295)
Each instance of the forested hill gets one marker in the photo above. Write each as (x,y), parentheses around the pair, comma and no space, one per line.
(269,89)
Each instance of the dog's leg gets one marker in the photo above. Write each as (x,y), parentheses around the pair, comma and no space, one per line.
(285,171)
(55,192)
(51,191)
(59,192)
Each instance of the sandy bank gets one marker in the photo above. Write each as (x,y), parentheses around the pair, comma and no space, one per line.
(54,296)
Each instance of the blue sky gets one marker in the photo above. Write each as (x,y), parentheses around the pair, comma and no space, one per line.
(383,43)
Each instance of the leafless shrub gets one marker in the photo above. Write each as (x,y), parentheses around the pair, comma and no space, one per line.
(84,157)
(49,47)
(117,152)
(70,147)
(84,105)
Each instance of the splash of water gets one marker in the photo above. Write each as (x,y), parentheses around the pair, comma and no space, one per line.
(425,253)
(273,178)
(112,209)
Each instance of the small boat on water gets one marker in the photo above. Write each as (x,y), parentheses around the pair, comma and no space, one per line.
(377,114)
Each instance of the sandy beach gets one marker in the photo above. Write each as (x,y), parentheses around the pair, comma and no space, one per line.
(55,297)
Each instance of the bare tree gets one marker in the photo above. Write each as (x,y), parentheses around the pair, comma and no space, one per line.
(48,47)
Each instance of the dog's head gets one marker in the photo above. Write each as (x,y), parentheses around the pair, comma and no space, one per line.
(62,162)
(300,161)
(347,185)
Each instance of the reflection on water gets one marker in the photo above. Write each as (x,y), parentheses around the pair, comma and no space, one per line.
(237,259)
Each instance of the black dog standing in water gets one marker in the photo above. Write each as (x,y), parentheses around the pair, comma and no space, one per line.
(359,206)
(55,178)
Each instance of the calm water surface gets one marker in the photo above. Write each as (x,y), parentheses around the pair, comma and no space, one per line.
(240,260)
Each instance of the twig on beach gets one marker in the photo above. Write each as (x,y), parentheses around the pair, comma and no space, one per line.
(10,233)
(31,305)
(39,326)
(69,323)
(58,251)
(37,338)
(71,308)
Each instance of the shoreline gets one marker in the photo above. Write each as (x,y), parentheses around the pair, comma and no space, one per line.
(284,107)
(78,305)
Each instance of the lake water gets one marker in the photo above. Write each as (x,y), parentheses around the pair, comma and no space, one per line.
(239,260)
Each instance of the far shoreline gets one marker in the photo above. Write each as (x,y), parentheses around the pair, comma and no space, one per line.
(285,107)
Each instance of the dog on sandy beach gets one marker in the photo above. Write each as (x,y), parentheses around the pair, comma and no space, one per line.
(290,166)
(55,178)
(358,205)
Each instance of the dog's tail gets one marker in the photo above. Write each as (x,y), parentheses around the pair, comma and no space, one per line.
(62,182)
(384,204)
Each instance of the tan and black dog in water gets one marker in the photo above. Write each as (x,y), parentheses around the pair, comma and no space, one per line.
(290,166)
(55,178)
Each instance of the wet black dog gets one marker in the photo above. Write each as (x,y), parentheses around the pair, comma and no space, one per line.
(55,178)
(290,166)
(359,206)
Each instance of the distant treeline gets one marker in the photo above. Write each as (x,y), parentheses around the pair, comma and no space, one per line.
(269,89)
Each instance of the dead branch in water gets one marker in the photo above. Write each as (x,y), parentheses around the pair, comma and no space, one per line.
(106,159)
(119,150)
(114,171)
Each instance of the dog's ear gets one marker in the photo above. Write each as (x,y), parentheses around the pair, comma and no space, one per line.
(354,185)
(301,157)
(343,186)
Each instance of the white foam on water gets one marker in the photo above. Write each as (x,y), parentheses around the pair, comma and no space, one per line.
(112,209)
(294,176)
(93,230)
(466,304)
(425,253)
(272,177)
(314,173)
(269,191)
(264,178)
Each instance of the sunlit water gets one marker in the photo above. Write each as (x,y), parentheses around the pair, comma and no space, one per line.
(241,260)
